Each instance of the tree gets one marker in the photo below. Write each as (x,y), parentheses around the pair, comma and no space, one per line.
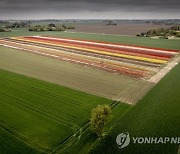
(2,29)
(178,34)
(110,22)
(51,25)
(59,28)
(64,26)
(70,27)
(99,118)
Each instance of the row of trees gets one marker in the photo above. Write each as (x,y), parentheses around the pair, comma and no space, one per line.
(19,24)
(3,29)
(110,22)
(50,27)
(10,25)
(162,32)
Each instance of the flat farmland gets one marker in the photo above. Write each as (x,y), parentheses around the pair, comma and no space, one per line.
(40,116)
(128,40)
(134,64)
(156,115)
(46,106)
(75,76)
(120,29)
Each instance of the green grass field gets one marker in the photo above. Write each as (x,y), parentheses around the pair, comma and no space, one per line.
(40,115)
(148,42)
(156,115)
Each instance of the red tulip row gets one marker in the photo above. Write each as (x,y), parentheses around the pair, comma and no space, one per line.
(107,43)
(154,55)
(129,49)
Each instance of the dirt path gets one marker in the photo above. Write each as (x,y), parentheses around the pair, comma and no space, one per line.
(157,77)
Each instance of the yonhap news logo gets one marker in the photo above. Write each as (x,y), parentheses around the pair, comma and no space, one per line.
(124,139)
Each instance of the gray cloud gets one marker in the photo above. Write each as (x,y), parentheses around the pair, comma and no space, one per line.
(90,8)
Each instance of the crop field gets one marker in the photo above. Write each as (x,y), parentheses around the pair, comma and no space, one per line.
(49,85)
(134,64)
(75,76)
(128,40)
(120,29)
(126,60)
(40,116)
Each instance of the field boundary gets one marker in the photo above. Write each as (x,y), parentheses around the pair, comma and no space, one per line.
(157,77)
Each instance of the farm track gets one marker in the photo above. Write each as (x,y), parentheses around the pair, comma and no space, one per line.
(128,60)
(157,77)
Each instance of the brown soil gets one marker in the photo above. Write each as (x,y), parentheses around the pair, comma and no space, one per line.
(120,29)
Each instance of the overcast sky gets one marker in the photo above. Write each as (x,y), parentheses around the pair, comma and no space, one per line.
(89,9)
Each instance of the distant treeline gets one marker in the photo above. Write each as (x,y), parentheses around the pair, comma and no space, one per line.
(162,32)
(3,29)
(7,26)
(50,27)
(19,24)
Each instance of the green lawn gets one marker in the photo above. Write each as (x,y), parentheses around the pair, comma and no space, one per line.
(159,43)
(39,115)
(156,115)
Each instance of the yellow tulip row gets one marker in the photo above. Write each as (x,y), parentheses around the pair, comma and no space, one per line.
(151,60)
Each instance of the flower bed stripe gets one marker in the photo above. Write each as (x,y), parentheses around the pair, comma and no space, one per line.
(117,59)
(118,46)
(151,60)
(122,59)
(154,55)
(138,46)
(83,60)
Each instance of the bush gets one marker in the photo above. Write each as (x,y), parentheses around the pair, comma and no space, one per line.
(71,27)
(2,29)
(60,28)
(64,26)
(178,34)
(138,34)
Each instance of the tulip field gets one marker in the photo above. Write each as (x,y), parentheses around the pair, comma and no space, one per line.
(133,61)
(50,84)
